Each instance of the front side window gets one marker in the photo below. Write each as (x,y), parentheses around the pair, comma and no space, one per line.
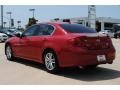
(31,31)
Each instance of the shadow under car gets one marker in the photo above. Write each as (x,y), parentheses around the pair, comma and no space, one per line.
(97,74)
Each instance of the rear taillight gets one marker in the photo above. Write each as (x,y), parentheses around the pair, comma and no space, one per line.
(78,41)
(107,39)
(106,43)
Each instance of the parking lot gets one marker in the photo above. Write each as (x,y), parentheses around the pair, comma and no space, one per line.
(25,72)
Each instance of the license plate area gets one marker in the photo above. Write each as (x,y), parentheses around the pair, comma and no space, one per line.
(101,58)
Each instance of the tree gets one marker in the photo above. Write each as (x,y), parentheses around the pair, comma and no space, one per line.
(31,22)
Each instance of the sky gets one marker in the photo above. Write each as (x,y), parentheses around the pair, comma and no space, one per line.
(47,12)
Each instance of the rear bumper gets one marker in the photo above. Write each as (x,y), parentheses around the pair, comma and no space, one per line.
(79,57)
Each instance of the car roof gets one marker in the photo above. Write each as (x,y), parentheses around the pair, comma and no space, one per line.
(53,23)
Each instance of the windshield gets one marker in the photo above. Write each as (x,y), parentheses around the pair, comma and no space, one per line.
(77,28)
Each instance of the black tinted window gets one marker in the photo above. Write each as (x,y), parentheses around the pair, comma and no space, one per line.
(77,28)
(45,29)
(31,30)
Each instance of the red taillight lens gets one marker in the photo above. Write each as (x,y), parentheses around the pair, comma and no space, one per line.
(106,39)
(78,41)
(106,43)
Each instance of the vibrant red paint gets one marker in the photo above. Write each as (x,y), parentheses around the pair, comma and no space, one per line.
(71,49)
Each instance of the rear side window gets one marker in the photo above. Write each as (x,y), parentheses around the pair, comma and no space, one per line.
(76,28)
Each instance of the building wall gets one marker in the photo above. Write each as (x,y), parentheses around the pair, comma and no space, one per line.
(101,22)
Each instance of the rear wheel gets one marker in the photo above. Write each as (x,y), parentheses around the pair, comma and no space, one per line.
(9,53)
(50,61)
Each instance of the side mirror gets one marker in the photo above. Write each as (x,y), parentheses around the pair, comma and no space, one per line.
(18,35)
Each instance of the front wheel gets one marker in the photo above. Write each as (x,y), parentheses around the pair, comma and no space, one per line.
(50,61)
(9,53)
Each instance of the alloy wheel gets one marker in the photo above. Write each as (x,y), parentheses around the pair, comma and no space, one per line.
(50,61)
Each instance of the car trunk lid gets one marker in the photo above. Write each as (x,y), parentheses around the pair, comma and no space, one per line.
(92,41)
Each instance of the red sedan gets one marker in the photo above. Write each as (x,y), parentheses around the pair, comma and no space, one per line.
(61,45)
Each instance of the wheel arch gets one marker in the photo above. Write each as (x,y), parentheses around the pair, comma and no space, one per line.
(46,50)
(49,49)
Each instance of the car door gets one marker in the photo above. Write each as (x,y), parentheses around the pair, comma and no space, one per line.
(32,42)
(23,48)
(37,41)
(42,36)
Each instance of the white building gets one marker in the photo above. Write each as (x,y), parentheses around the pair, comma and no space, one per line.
(102,23)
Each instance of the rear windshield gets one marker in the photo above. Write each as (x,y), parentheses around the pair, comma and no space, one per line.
(76,28)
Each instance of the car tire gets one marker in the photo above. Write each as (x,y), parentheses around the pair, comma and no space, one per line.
(9,53)
(51,62)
